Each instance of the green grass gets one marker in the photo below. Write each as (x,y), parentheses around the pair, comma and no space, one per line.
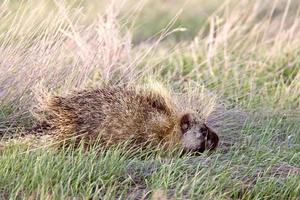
(245,54)
(254,169)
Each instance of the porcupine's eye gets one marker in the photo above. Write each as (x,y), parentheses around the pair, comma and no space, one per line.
(184,127)
(186,122)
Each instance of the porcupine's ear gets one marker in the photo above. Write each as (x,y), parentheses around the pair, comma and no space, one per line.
(186,122)
(212,139)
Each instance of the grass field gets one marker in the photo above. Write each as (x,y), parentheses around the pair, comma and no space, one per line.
(245,54)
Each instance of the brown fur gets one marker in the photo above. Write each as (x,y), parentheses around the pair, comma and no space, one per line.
(117,114)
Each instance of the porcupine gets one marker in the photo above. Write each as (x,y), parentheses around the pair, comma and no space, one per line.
(121,113)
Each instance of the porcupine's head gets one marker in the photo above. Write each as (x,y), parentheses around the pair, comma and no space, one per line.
(196,135)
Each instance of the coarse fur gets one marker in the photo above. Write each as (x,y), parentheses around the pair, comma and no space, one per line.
(115,114)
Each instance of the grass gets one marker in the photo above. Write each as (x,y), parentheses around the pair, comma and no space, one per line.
(243,53)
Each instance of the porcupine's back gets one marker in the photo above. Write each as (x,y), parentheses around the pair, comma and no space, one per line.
(116,114)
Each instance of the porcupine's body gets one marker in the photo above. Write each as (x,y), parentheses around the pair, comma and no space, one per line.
(118,114)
